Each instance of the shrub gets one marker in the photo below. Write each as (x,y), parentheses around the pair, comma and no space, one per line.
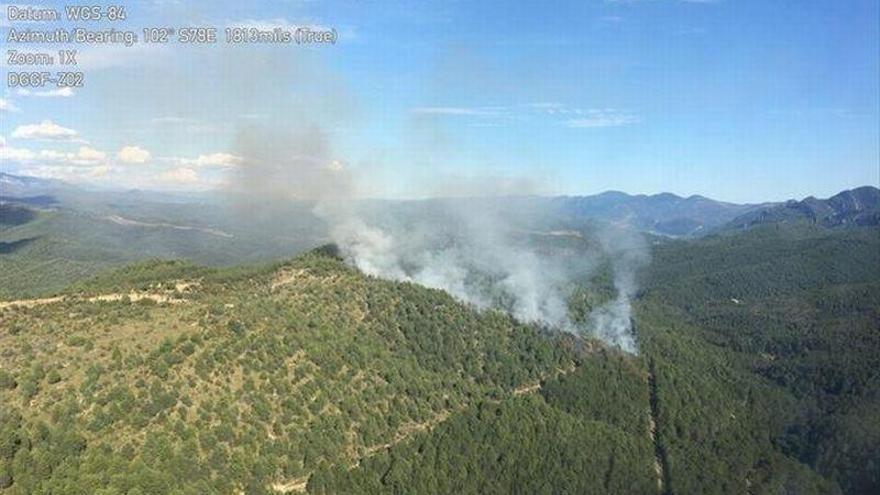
(7,381)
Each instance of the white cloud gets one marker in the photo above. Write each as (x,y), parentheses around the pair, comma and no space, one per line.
(453,111)
(84,157)
(597,118)
(45,130)
(67,173)
(133,154)
(185,124)
(15,154)
(86,153)
(51,155)
(495,116)
(546,106)
(52,93)
(7,106)
(220,160)
(178,176)
(181,179)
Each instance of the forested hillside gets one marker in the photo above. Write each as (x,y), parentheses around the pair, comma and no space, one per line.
(168,378)
(45,249)
(757,373)
(768,342)
(758,366)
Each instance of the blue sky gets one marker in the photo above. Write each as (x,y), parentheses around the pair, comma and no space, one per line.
(735,100)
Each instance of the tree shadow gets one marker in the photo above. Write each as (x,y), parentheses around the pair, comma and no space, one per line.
(12,246)
(15,215)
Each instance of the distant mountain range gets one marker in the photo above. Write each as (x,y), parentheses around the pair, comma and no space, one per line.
(20,185)
(855,207)
(664,213)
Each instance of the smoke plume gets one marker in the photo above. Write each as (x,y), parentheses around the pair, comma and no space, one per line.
(490,251)
(489,243)
(612,322)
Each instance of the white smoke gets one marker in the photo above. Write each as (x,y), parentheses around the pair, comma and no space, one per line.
(475,253)
(471,254)
(612,322)
(491,252)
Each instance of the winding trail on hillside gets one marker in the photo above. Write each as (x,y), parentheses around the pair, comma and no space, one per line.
(660,463)
(127,222)
(300,484)
(168,297)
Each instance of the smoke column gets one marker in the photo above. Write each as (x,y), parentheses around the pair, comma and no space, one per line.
(481,250)
(612,322)
(490,252)
(472,253)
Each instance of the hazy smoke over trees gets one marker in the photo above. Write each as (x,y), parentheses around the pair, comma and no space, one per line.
(629,253)
(486,251)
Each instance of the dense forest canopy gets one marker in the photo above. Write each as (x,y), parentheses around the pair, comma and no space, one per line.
(757,372)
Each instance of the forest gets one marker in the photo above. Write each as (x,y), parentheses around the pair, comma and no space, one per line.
(757,373)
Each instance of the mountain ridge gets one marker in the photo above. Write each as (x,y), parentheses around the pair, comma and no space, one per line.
(853,207)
